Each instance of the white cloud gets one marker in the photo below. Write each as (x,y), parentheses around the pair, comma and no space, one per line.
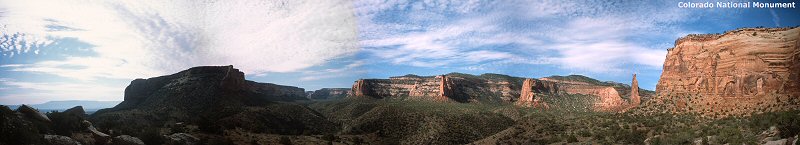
(349,69)
(42,92)
(164,37)
(142,39)
(443,45)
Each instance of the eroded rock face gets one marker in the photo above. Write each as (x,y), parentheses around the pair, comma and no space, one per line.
(635,99)
(735,73)
(451,87)
(530,87)
(495,88)
(330,93)
(33,113)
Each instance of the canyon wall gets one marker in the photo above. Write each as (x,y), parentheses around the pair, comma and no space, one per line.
(495,88)
(735,73)
(451,87)
(330,93)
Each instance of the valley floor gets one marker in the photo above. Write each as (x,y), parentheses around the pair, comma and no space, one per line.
(421,122)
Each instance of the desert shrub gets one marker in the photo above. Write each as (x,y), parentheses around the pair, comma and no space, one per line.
(787,122)
(571,139)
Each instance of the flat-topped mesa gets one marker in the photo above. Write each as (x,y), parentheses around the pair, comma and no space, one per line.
(438,88)
(711,37)
(330,93)
(736,73)
(203,86)
(451,87)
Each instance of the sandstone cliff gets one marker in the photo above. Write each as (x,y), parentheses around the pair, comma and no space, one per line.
(496,88)
(330,93)
(438,88)
(530,87)
(735,73)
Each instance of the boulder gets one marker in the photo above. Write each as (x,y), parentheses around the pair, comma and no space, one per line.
(777,142)
(94,130)
(126,140)
(60,140)
(33,113)
(182,139)
(770,134)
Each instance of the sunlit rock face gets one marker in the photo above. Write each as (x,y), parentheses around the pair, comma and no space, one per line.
(495,88)
(330,93)
(451,87)
(438,88)
(735,73)
(530,87)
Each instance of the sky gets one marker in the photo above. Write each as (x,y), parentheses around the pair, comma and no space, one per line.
(91,50)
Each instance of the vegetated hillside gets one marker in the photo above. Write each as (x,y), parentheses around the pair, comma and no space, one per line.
(393,121)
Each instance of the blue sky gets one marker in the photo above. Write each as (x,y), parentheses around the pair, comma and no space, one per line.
(74,50)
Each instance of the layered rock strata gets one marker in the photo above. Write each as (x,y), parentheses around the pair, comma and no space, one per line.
(736,73)
(530,87)
(488,88)
(451,87)
(330,93)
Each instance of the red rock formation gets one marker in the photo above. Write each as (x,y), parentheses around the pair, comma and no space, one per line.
(736,73)
(360,88)
(445,89)
(527,97)
(635,98)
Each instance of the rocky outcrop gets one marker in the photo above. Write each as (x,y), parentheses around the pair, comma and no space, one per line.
(33,113)
(94,130)
(206,82)
(451,87)
(330,93)
(635,99)
(126,140)
(182,139)
(735,73)
(199,94)
(360,89)
(530,87)
(60,140)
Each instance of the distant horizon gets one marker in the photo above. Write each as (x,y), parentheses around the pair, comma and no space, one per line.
(76,50)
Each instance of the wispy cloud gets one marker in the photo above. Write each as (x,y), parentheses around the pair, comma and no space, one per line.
(141,39)
(591,36)
(34,92)
(349,69)
(163,37)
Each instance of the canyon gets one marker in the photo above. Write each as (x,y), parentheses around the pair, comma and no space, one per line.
(496,88)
